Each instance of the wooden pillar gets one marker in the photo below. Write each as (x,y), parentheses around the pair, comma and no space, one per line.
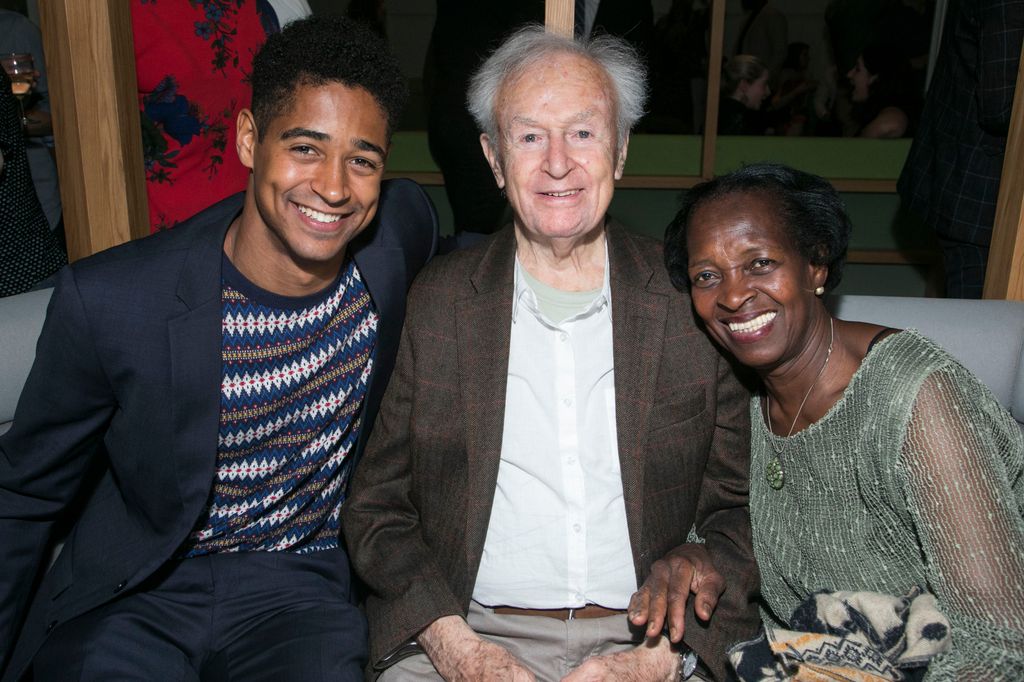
(1004,276)
(91,67)
(559,16)
(707,157)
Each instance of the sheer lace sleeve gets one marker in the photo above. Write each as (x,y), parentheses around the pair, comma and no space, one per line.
(962,467)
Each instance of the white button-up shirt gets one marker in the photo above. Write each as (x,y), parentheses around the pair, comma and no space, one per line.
(557,536)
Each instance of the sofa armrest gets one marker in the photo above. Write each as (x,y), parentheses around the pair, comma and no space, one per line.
(21,319)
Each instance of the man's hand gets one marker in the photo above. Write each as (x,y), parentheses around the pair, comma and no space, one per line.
(461,655)
(653,660)
(685,570)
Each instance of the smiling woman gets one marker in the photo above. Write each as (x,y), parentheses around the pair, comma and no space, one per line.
(854,425)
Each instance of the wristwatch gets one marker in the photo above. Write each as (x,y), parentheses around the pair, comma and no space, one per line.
(687,661)
(687,657)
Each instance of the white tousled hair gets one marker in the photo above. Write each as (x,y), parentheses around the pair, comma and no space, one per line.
(531,45)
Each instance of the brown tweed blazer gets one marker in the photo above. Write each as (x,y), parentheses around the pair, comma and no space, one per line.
(417,515)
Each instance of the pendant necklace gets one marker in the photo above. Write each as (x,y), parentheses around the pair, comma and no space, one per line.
(773,472)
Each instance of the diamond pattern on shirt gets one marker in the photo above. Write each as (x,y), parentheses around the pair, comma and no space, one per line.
(293,385)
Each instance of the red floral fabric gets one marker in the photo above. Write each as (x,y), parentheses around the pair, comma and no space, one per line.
(192,59)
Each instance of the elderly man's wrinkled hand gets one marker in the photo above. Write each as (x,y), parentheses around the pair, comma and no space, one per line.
(662,599)
(652,660)
(460,655)
(485,661)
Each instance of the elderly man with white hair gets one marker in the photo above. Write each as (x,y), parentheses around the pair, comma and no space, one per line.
(556,421)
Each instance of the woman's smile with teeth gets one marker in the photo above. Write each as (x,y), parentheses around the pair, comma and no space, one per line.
(319,216)
(752,325)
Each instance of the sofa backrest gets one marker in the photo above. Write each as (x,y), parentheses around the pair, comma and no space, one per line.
(986,336)
(21,319)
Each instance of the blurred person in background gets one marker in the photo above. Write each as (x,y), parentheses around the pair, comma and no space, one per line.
(679,59)
(764,34)
(791,104)
(745,88)
(29,250)
(951,177)
(19,34)
(192,63)
(882,94)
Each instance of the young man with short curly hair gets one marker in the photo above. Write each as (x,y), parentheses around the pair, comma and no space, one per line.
(206,391)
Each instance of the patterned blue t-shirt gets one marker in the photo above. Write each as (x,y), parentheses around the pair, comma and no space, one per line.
(295,374)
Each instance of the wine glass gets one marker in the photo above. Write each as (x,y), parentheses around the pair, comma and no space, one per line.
(22,72)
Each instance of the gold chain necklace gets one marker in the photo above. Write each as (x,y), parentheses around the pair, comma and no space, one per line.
(773,472)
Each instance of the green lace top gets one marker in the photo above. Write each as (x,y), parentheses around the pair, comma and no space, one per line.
(914,477)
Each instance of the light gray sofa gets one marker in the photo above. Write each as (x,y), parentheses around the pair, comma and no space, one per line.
(986,336)
(21,318)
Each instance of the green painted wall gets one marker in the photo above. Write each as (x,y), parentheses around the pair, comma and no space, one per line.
(878,221)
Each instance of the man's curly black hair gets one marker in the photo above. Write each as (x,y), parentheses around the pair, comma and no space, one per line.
(321,50)
(808,207)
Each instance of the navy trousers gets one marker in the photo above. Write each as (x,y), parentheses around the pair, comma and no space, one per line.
(245,616)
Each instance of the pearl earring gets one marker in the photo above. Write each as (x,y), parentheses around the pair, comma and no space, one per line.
(819,291)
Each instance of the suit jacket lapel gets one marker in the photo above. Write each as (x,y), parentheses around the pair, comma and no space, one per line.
(483,327)
(638,330)
(195,348)
(383,271)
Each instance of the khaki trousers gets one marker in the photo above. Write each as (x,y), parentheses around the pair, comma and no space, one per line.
(549,647)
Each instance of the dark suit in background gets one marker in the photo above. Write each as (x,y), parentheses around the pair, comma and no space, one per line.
(465,32)
(951,177)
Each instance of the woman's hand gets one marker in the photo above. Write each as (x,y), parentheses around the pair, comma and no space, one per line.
(685,570)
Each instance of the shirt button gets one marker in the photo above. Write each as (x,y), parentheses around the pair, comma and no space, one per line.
(576,527)
(570,460)
(563,336)
(567,402)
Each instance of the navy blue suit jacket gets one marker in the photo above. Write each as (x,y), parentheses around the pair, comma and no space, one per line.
(121,409)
